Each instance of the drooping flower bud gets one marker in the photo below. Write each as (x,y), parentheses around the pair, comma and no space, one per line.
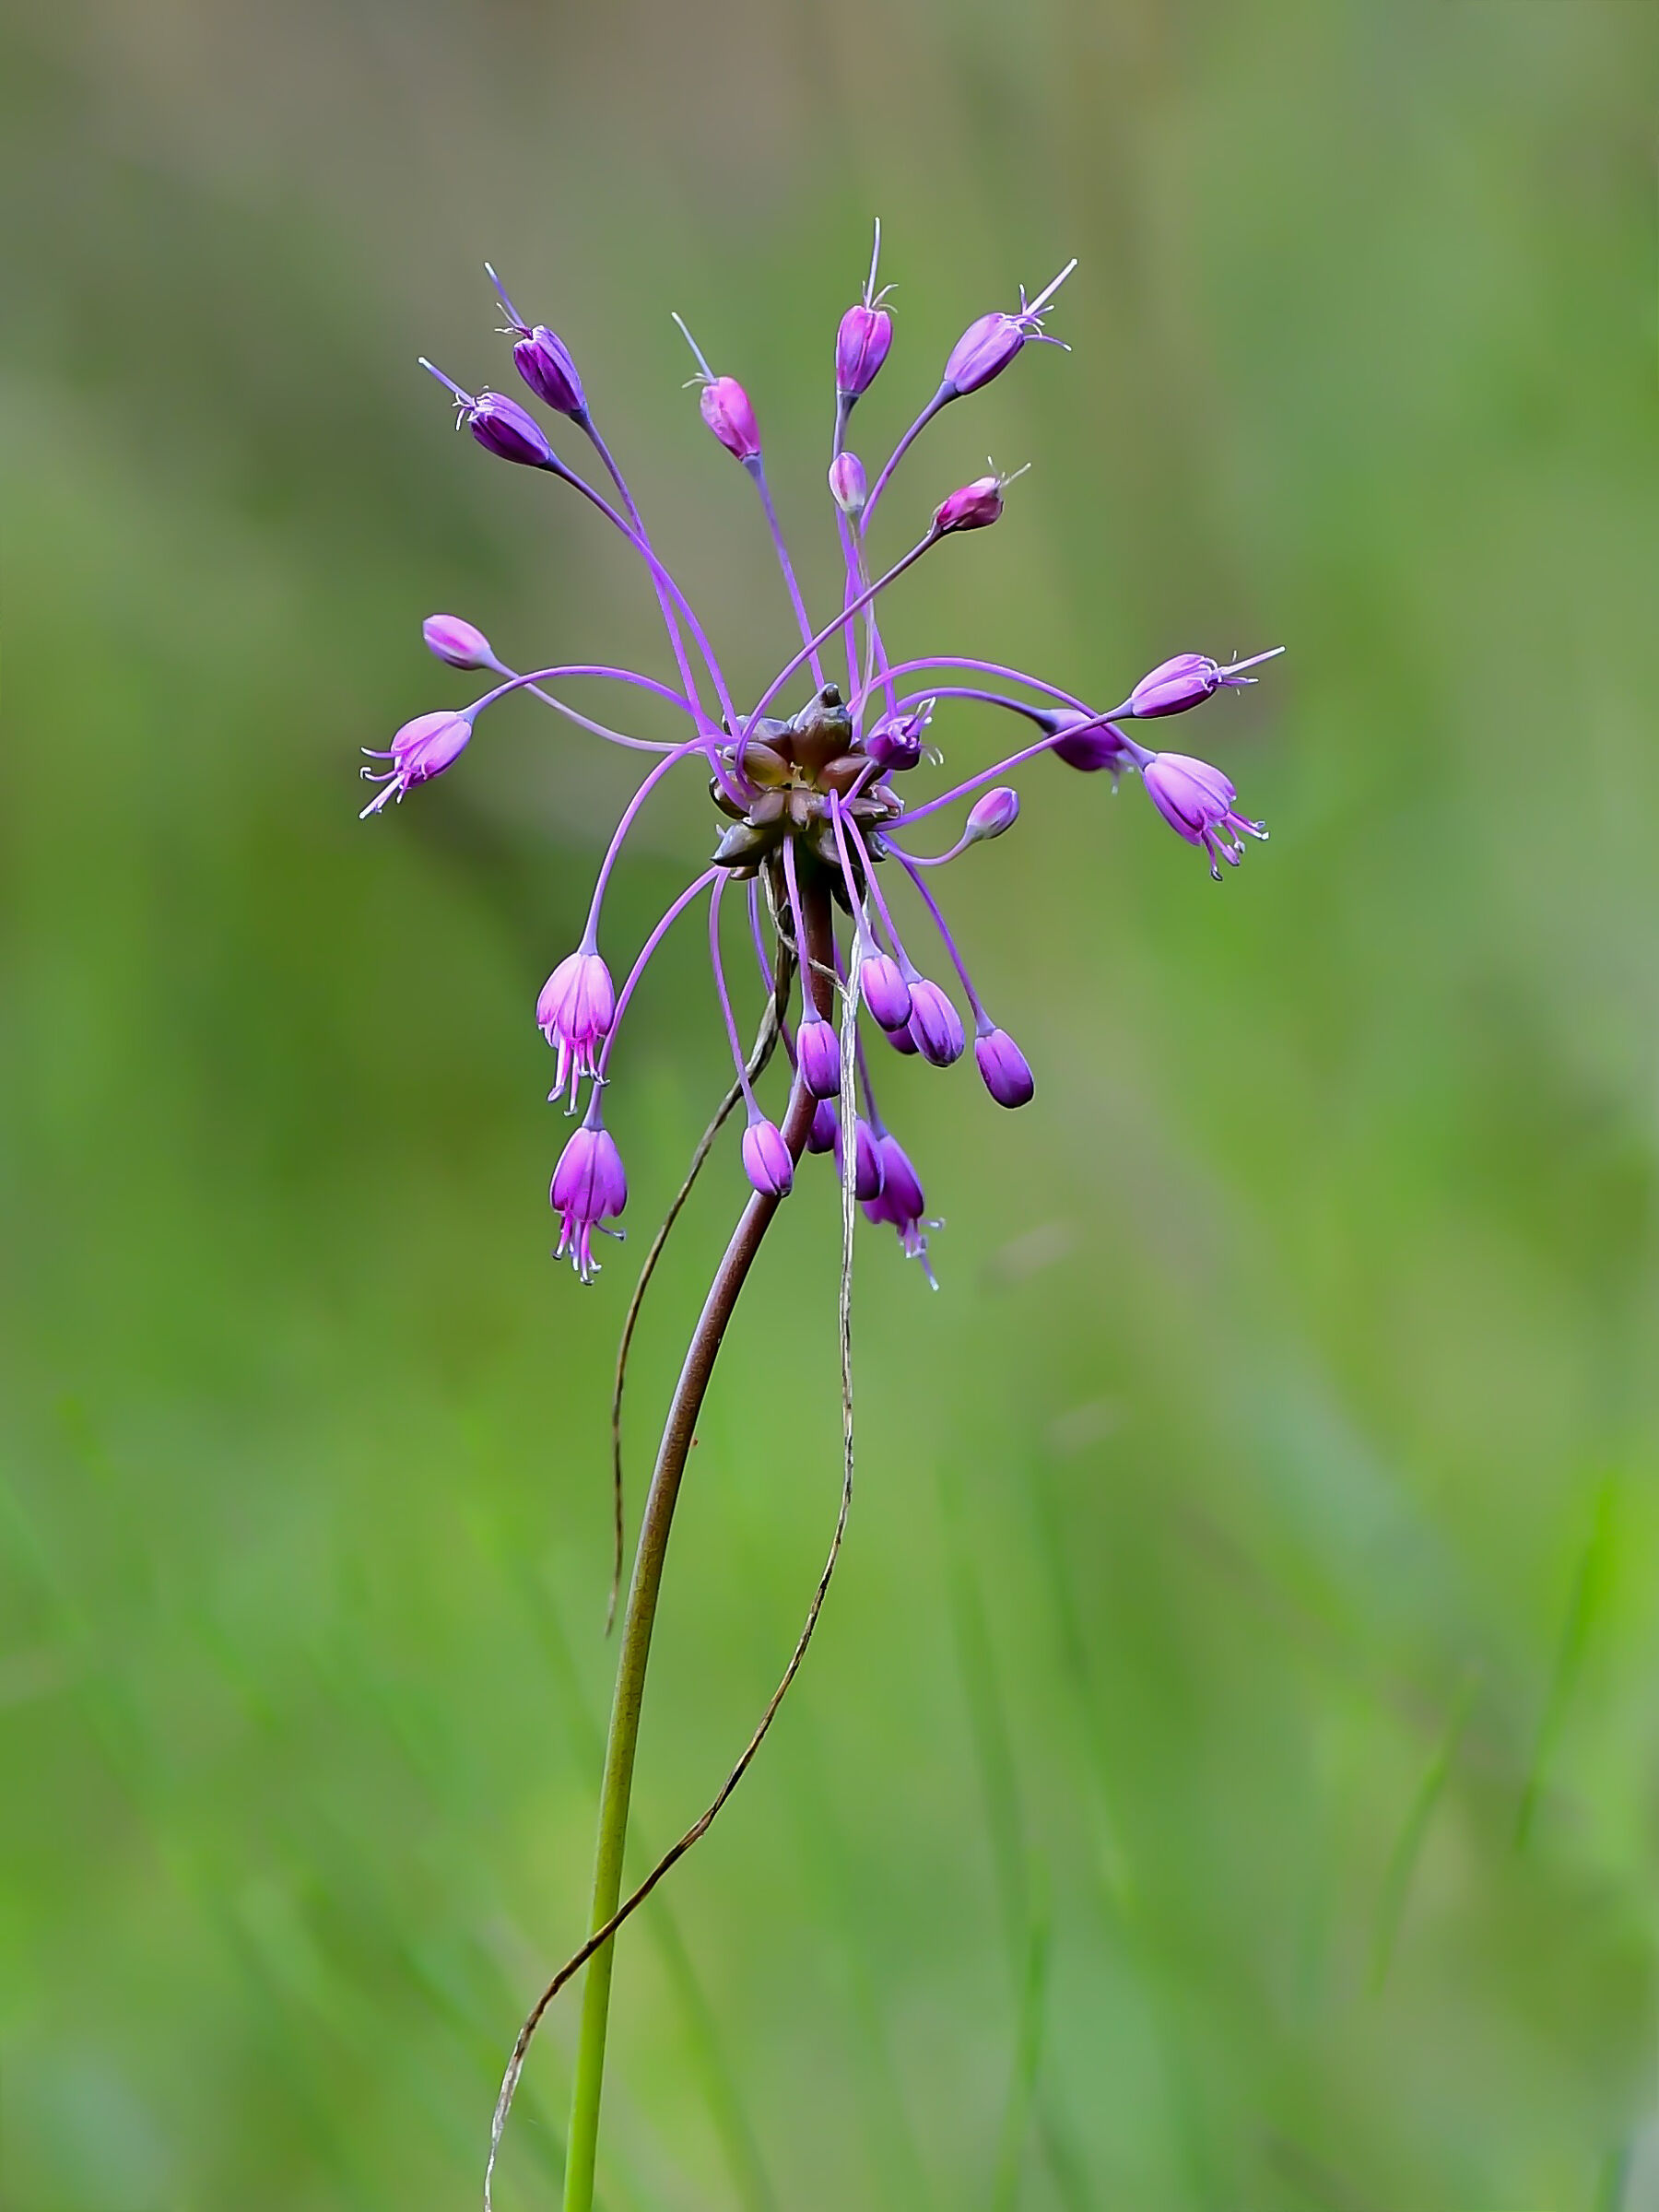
(973,507)
(500,426)
(989,815)
(986,348)
(900,1201)
(847,483)
(1187,680)
(903,1042)
(543,360)
(459,643)
(1095,745)
(885,991)
(422,748)
(820,1136)
(574,1012)
(868,1169)
(1002,1066)
(817,1055)
(1196,800)
(766,1159)
(589,1186)
(936,1027)
(896,744)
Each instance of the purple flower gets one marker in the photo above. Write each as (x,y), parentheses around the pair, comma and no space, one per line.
(989,817)
(885,992)
(821,1136)
(500,426)
(974,507)
(900,1201)
(574,1012)
(1186,681)
(458,642)
(895,743)
(766,1159)
(1196,800)
(936,1027)
(847,483)
(861,345)
(589,1188)
(1004,1067)
(818,1054)
(1094,746)
(726,410)
(422,748)
(869,1170)
(543,360)
(986,348)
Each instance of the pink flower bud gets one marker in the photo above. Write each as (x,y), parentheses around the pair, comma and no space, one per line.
(422,748)
(934,1025)
(1188,679)
(457,642)
(766,1159)
(726,410)
(817,1055)
(847,483)
(998,811)
(861,345)
(885,991)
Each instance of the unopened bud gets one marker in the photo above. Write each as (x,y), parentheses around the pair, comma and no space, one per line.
(998,811)
(726,410)
(885,992)
(458,642)
(543,360)
(1191,678)
(847,483)
(861,345)
(896,744)
(818,1054)
(975,506)
(766,1159)
(1004,1067)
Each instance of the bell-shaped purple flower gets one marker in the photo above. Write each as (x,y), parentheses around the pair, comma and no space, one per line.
(726,410)
(543,360)
(817,1055)
(895,743)
(847,487)
(868,1168)
(462,644)
(1187,680)
(1002,1066)
(990,817)
(885,992)
(574,1012)
(936,1027)
(766,1159)
(1196,800)
(422,748)
(821,1136)
(589,1188)
(900,1201)
(986,348)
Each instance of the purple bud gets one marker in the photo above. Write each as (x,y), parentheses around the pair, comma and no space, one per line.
(820,1137)
(973,507)
(1175,685)
(900,1201)
(458,642)
(868,1169)
(574,1012)
(726,410)
(998,811)
(1196,800)
(422,748)
(766,1159)
(885,991)
(543,360)
(935,1024)
(1007,1073)
(501,427)
(817,1055)
(896,744)
(847,483)
(861,346)
(589,1186)
(986,348)
(1097,745)
(903,1041)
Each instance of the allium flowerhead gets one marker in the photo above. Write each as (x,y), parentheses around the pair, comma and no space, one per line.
(885,992)
(990,816)
(1004,1068)
(766,1159)
(900,1201)
(847,487)
(459,643)
(1196,800)
(868,1170)
(422,748)
(574,1012)
(818,1054)
(936,1027)
(726,410)
(861,345)
(589,1186)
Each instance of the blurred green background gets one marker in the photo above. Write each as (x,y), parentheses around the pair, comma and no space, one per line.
(1229,1772)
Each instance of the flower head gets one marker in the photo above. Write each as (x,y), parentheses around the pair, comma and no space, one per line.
(422,748)
(589,1188)
(574,1011)
(1196,800)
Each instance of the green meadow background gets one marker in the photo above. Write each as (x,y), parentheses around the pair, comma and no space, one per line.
(1228,1776)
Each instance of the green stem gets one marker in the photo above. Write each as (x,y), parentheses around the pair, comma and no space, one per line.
(640,1616)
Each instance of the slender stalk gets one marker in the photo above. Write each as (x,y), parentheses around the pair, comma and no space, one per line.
(639,1617)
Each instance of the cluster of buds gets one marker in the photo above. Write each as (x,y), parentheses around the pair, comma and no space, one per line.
(816,811)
